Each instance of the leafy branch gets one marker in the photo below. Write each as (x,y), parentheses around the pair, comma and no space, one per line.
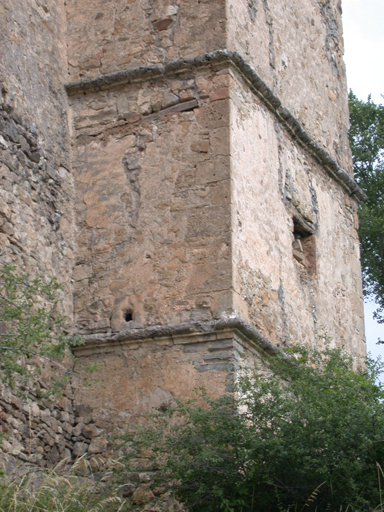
(31,326)
(366,137)
(290,437)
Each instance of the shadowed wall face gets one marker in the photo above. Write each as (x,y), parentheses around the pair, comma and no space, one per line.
(153,195)
(36,210)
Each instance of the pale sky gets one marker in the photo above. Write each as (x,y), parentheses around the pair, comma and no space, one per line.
(363,23)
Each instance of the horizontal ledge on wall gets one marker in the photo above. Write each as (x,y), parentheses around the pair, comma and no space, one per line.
(258,86)
(180,333)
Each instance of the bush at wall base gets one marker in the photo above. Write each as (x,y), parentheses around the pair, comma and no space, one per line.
(305,435)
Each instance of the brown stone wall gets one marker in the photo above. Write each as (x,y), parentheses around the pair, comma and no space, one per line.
(276,185)
(141,372)
(36,224)
(297,49)
(152,178)
(108,36)
(33,68)
(45,432)
(36,232)
(35,429)
(171,233)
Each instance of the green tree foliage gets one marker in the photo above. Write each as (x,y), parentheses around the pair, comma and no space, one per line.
(367,143)
(301,436)
(31,325)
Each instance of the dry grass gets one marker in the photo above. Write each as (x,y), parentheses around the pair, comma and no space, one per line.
(58,490)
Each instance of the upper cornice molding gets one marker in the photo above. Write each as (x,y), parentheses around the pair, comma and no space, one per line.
(257,85)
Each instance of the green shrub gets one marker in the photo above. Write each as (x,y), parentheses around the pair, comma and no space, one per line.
(300,436)
(31,326)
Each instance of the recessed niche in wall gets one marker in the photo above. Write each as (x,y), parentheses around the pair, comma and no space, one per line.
(128,315)
(304,245)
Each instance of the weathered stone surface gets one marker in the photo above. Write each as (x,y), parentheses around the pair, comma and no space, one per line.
(90,431)
(142,33)
(98,445)
(79,449)
(296,48)
(142,495)
(274,291)
(169,226)
(33,432)
(77,430)
(36,221)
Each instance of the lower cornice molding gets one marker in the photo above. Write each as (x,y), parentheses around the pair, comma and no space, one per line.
(257,85)
(176,334)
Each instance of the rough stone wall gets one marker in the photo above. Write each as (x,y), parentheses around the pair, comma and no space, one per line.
(36,224)
(124,35)
(276,184)
(152,177)
(44,432)
(35,221)
(33,67)
(36,210)
(181,243)
(145,371)
(34,429)
(297,49)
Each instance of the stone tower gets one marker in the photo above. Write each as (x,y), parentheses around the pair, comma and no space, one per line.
(188,176)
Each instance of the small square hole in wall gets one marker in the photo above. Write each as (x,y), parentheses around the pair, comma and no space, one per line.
(304,246)
(128,315)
